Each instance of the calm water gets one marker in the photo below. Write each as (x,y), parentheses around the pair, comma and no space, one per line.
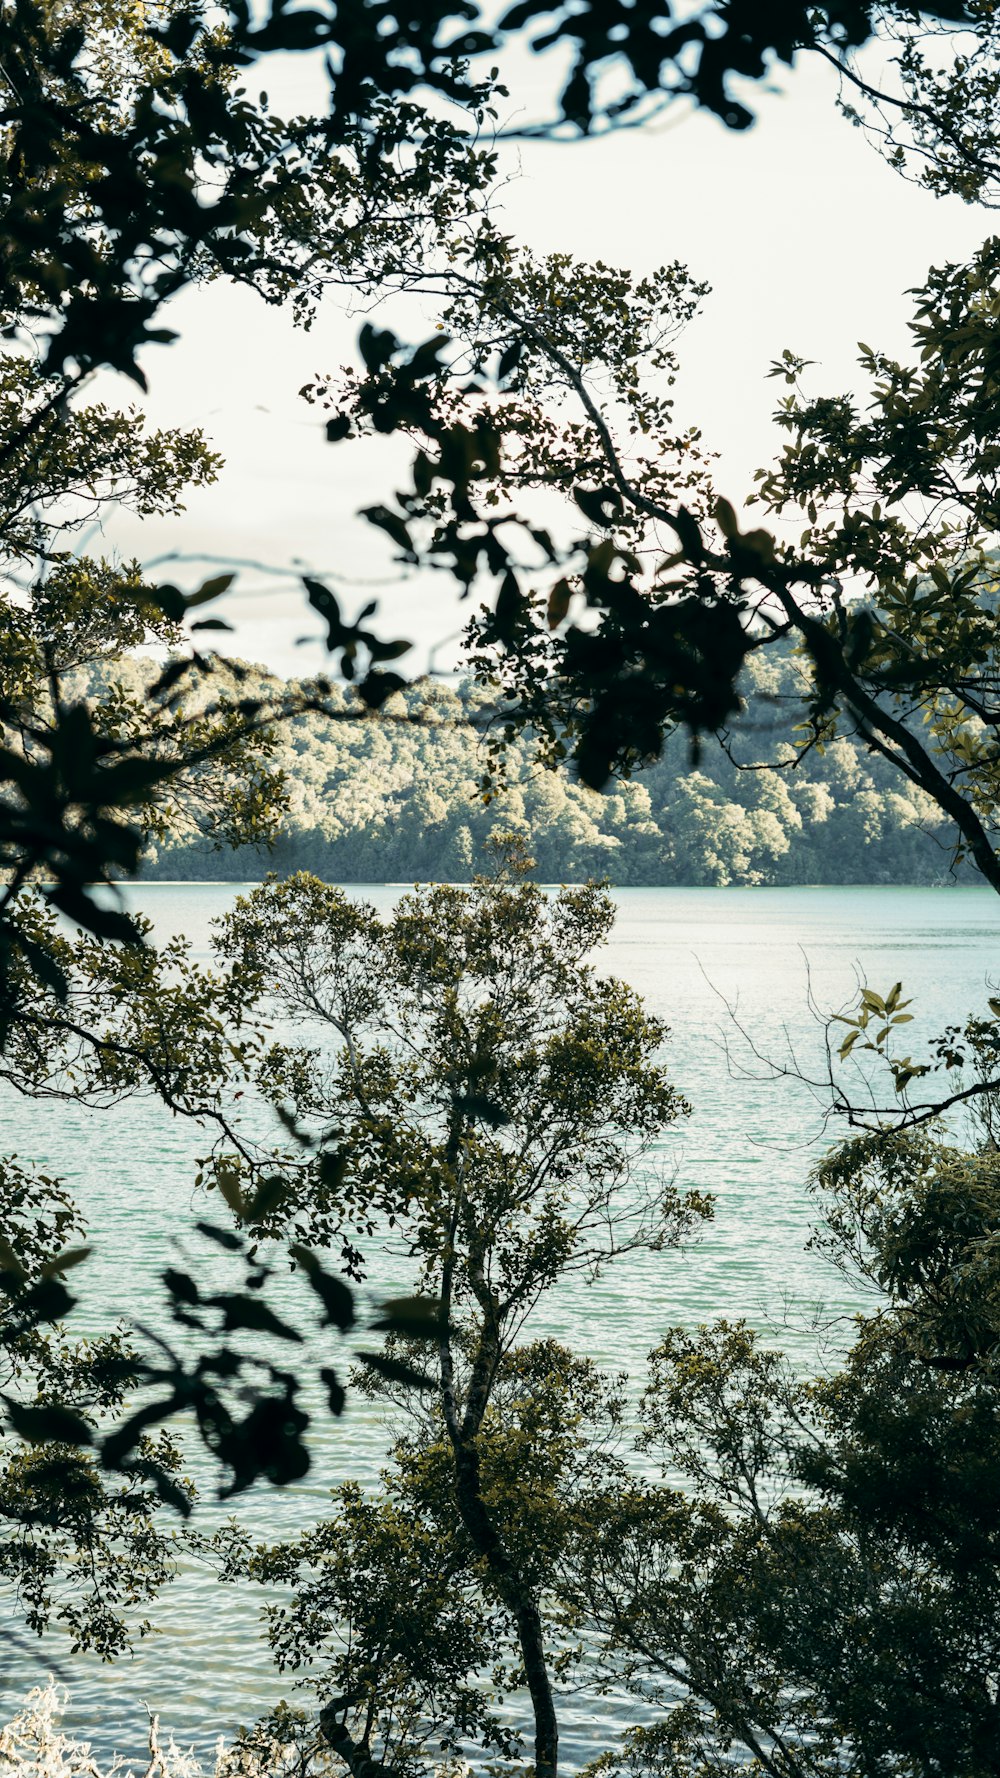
(692,954)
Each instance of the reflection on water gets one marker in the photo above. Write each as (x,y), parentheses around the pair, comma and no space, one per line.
(691,953)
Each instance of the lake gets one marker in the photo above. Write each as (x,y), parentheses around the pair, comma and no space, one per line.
(706,961)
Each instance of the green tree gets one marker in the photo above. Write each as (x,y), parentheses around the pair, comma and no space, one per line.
(812,1590)
(88,1018)
(133,164)
(109,127)
(898,503)
(80,1549)
(494,1101)
(390,801)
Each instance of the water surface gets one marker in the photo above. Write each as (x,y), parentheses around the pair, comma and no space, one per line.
(708,962)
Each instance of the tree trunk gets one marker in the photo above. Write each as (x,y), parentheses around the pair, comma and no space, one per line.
(519,1601)
(486,1540)
(355,1754)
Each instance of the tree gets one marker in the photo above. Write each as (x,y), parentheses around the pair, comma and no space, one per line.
(819,1596)
(77,772)
(82,1543)
(112,135)
(90,1018)
(669,640)
(493,1101)
(134,165)
(811,1585)
(81,1549)
(110,129)
(398,801)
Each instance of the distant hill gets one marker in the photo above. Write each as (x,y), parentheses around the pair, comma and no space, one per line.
(373,800)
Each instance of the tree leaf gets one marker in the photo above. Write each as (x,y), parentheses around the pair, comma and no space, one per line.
(394,1370)
(412,1317)
(51,1424)
(247,1314)
(334,1294)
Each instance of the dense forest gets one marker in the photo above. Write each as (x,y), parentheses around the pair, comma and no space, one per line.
(396,796)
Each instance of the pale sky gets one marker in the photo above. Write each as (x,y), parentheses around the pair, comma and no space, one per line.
(807,238)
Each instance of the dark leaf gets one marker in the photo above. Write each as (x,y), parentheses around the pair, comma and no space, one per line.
(376,688)
(390,522)
(222,1237)
(412,1317)
(229,1187)
(689,536)
(337,1299)
(332,1166)
(47,1301)
(558,605)
(335,1393)
(209,589)
(64,1262)
(167,1489)
(377,346)
(482,1109)
(47,1425)
(510,358)
(181,1286)
(602,506)
(395,1371)
(249,1314)
(270,1193)
(44,966)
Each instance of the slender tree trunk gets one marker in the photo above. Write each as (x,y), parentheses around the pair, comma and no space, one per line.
(356,1755)
(519,1600)
(486,1540)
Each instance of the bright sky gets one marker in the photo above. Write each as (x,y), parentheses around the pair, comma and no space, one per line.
(807,238)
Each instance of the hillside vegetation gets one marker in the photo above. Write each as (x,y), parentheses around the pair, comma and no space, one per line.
(397,797)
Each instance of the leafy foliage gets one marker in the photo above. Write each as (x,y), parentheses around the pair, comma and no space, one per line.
(138,163)
(470,1034)
(900,502)
(81,781)
(401,800)
(492,1101)
(814,1591)
(80,1549)
(134,165)
(412,1653)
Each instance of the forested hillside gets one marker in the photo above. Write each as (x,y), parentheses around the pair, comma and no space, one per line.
(383,798)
